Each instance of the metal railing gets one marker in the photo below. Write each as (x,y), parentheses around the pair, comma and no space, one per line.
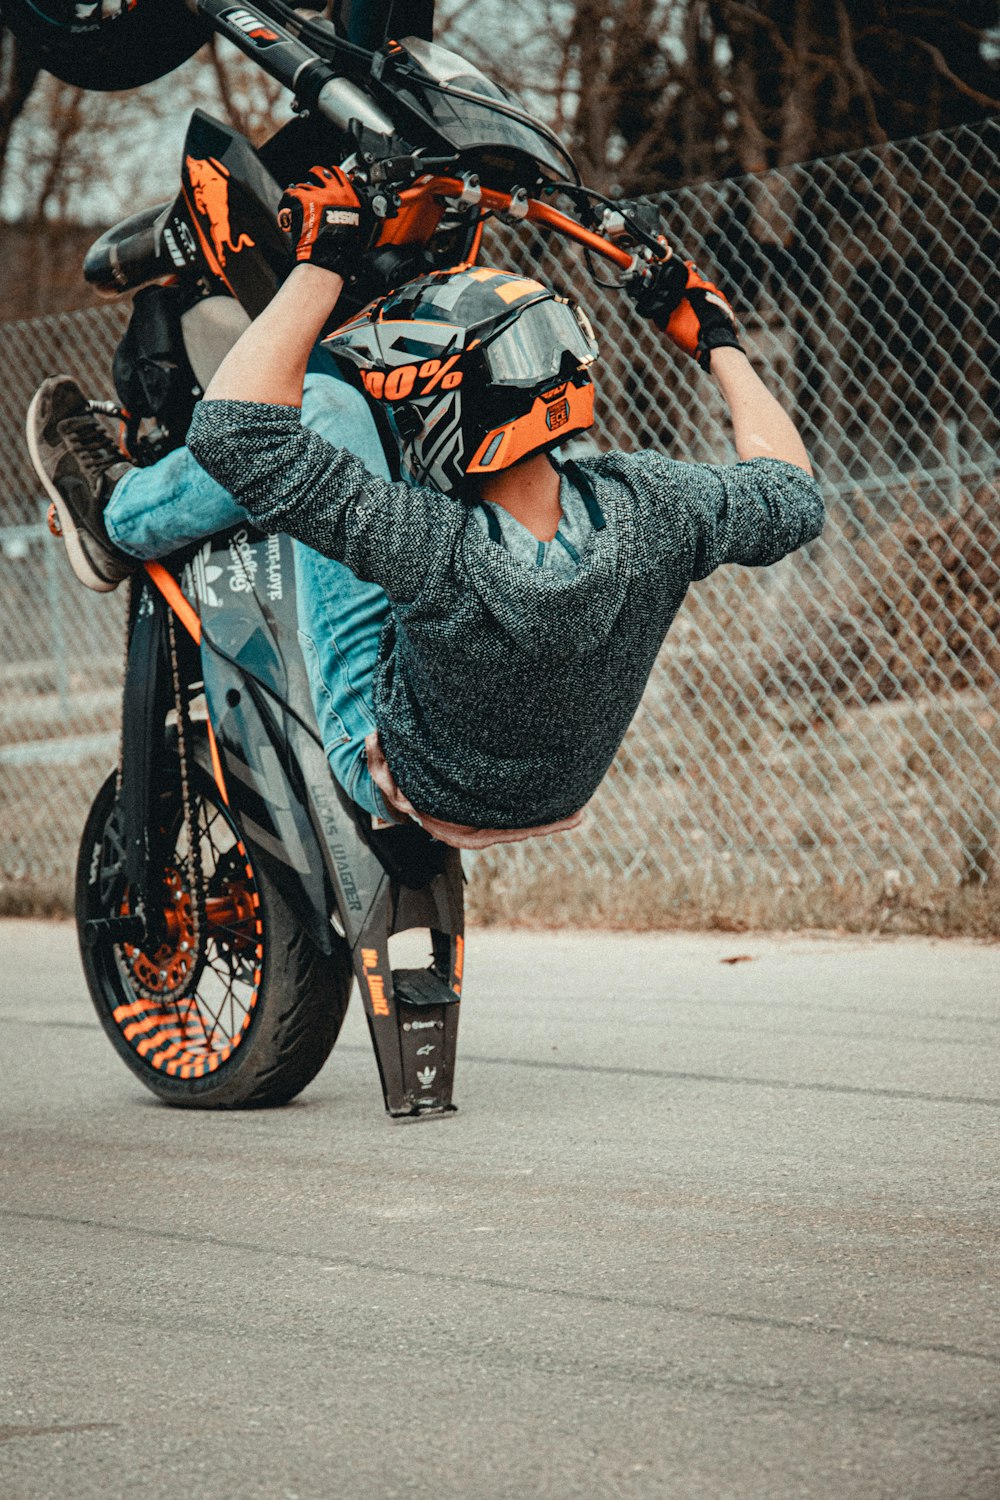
(833,719)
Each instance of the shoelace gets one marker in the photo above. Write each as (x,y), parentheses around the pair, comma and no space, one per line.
(90,444)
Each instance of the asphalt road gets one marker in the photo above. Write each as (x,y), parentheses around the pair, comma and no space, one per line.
(698,1230)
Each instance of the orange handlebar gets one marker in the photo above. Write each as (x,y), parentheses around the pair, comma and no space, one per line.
(538,213)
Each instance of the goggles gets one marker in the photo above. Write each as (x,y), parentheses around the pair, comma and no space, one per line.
(533,347)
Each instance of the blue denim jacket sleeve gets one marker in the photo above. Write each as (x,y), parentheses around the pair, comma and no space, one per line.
(288,478)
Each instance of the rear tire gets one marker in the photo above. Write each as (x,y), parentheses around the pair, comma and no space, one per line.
(245,1017)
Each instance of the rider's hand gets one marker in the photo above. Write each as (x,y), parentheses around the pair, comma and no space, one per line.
(692,312)
(703,320)
(655,288)
(327,221)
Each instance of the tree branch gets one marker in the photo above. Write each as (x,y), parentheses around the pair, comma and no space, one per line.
(237,118)
(862,79)
(66,104)
(753,17)
(940,64)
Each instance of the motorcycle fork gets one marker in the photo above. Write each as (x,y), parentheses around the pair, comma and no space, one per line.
(412,1014)
(147,698)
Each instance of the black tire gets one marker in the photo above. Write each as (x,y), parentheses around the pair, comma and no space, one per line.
(106,52)
(248,1019)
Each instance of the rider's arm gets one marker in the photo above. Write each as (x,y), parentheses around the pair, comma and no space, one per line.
(757,511)
(268,361)
(761,426)
(248,435)
(675,297)
(290,479)
(695,517)
(328,225)
(753,512)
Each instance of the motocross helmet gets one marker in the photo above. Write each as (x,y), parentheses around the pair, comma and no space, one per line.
(475,370)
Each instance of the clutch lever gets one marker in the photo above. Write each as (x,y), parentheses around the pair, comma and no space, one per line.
(391,171)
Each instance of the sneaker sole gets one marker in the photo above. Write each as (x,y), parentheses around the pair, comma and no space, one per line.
(78,560)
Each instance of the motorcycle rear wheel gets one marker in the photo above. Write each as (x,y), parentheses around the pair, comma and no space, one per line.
(245,1016)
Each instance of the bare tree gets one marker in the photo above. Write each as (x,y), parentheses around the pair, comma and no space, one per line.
(648,93)
(655,93)
(74,161)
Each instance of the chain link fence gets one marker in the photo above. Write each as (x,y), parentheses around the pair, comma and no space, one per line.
(820,741)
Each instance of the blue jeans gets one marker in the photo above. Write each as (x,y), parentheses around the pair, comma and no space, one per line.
(156,510)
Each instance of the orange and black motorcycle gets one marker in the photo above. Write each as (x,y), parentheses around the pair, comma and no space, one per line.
(228,892)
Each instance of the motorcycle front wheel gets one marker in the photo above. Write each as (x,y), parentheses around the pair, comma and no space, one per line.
(116,45)
(231,1005)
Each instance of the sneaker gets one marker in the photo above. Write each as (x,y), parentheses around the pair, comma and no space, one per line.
(79,465)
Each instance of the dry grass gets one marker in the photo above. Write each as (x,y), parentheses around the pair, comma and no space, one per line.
(645,904)
(648,904)
(904,606)
(36,898)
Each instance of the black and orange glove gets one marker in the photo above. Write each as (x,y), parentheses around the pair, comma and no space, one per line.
(656,288)
(674,296)
(328,223)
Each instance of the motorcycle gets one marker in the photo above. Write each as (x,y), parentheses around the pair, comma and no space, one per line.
(228,892)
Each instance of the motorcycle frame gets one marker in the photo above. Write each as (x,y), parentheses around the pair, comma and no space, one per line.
(264,755)
(268,765)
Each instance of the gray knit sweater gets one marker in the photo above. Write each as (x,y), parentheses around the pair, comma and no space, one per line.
(503,690)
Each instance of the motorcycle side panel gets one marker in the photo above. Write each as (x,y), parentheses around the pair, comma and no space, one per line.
(144,702)
(229,200)
(259,780)
(260,707)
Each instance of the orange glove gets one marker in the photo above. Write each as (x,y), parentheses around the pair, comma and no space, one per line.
(674,296)
(328,223)
(703,320)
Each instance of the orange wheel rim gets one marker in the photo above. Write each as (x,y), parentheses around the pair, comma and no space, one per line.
(193,1001)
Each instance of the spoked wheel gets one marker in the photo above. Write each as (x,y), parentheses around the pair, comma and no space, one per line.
(229,1004)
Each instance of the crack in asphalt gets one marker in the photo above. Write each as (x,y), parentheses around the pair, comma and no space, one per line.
(497,1283)
(66,1025)
(8,1434)
(733,1080)
(789,1084)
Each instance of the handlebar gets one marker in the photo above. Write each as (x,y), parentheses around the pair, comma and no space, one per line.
(317,85)
(313,82)
(535,213)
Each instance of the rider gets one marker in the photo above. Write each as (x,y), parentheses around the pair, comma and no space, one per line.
(479,638)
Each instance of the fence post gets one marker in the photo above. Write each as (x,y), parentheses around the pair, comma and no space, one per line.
(57,633)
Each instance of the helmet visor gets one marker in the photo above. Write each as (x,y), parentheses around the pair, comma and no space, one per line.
(533,346)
